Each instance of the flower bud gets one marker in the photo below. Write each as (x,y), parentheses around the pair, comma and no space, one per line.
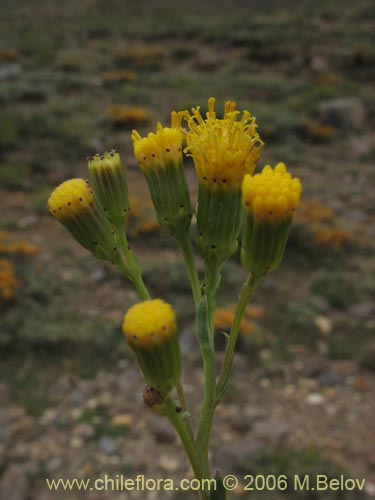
(269,200)
(223,150)
(150,330)
(72,204)
(160,158)
(108,179)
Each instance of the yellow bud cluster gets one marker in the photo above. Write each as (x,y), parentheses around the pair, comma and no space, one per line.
(223,150)
(106,161)
(149,323)
(71,198)
(161,148)
(271,195)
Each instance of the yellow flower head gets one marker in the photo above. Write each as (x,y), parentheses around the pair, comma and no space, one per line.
(271,195)
(162,148)
(225,149)
(149,324)
(71,198)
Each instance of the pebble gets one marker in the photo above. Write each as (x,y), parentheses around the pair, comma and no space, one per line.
(108,445)
(123,420)
(169,463)
(272,429)
(315,399)
(323,324)
(84,430)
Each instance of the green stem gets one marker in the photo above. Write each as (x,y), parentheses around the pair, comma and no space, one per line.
(183,242)
(181,429)
(208,408)
(128,265)
(245,294)
(185,408)
(205,330)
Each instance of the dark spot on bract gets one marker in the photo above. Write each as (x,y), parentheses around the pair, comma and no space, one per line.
(80,198)
(168,150)
(213,247)
(69,203)
(182,205)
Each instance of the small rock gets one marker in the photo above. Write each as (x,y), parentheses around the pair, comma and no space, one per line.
(98,274)
(13,485)
(329,378)
(315,399)
(22,427)
(76,442)
(362,311)
(84,430)
(313,366)
(123,420)
(323,324)
(346,113)
(108,445)
(169,463)
(361,384)
(161,429)
(272,429)
(345,368)
(9,71)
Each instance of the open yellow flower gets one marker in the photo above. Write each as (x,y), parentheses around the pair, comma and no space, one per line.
(223,150)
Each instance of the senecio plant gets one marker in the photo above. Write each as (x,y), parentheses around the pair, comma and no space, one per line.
(232,201)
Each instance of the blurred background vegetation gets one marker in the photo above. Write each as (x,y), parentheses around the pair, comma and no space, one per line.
(75,78)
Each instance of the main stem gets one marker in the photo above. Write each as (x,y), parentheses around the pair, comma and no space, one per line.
(183,433)
(183,242)
(245,294)
(185,408)
(209,368)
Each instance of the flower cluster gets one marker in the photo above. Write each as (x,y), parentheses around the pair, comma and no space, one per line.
(232,204)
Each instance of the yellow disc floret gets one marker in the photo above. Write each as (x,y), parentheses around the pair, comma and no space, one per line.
(162,148)
(149,323)
(271,195)
(224,150)
(71,198)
